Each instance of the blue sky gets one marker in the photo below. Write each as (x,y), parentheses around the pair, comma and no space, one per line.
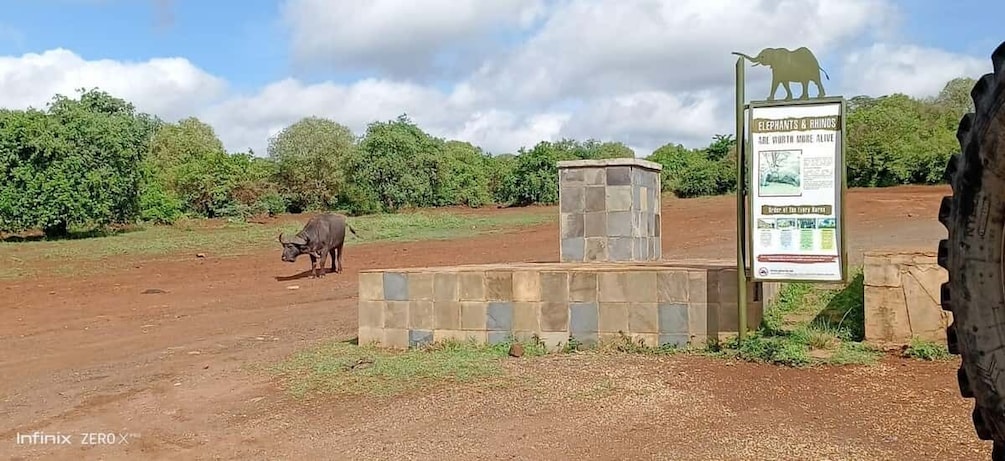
(248,46)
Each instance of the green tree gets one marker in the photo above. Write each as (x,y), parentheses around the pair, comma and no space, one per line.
(395,166)
(463,175)
(75,164)
(311,157)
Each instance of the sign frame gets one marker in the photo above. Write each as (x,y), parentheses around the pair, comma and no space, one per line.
(840,176)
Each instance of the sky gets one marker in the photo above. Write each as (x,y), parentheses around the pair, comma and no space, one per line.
(501,74)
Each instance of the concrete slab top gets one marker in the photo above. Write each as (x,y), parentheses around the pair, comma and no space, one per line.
(901,252)
(697,264)
(597,163)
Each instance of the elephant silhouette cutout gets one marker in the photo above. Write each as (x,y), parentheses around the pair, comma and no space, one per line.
(799,65)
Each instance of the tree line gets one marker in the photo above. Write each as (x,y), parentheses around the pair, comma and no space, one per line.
(95,160)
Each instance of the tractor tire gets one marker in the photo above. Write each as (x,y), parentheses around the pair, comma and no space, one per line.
(974,216)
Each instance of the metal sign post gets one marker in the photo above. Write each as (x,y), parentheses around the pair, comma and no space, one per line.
(797,157)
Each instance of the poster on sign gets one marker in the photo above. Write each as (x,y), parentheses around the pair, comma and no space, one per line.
(797,181)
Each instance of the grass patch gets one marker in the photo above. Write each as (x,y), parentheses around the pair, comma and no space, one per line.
(18,259)
(809,324)
(348,369)
(926,350)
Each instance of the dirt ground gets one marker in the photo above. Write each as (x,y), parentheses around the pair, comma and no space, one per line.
(170,370)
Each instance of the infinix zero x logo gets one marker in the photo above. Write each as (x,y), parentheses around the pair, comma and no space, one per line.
(82,438)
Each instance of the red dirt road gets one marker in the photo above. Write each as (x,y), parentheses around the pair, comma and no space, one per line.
(93,354)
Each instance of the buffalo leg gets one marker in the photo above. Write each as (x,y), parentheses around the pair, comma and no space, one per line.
(332,253)
(314,261)
(341,249)
(321,267)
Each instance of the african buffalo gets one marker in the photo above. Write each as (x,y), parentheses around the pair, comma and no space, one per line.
(322,236)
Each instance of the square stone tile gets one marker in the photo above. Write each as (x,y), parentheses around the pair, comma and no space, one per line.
(498,337)
(582,286)
(419,338)
(619,223)
(473,315)
(571,175)
(371,313)
(499,285)
(698,318)
(526,286)
(613,317)
(641,286)
(420,286)
(471,286)
(396,315)
(595,176)
(572,199)
(524,336)
(441,336)
(672,286)
(370,335)
(396,338)
(619,176)
(612,287)
(554,341)
(527,316)
(636,197)
(554,286)
(499,316)
(645,225)
(728,286)
(595,224)
(572,225)
(697,288)
(446,315)
(712,286)
(554,316)
(674,340)
(596,199)
(445,286)
(573,249)
(420,315)
(371,286)
(476,337)
(618,198)
(729,318)
(587,339)
(395,286)
(619,249)
(596,249)
(583,318)
(643,318)
(673,318)
(646,339)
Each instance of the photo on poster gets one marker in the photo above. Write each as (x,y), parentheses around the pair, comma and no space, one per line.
(780,173)
(785,223)
(765,223)
(826,223)
(807,223)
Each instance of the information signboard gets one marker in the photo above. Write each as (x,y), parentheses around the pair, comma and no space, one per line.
(797,166)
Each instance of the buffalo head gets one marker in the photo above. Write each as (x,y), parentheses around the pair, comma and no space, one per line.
(293,247)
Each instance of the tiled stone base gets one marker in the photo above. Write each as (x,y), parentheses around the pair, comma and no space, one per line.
(902,298)
(658,303)
(609,210)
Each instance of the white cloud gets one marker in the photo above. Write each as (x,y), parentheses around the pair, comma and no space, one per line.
(169,87)
(643,72)
(603,48)
(401,37)
(912,70)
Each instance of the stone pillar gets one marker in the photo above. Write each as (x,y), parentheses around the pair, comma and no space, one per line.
(610,210)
